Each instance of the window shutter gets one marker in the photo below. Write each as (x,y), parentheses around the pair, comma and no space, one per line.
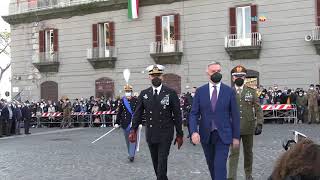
(41,41)
(254,19)
(55,40)
(95,35)
(158,29)
(318,12)
(177,27)
(232,20)
(111,26)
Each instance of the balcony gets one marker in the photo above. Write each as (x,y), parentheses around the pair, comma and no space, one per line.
(167,53)
(47,62)
(102,57)
(248,47)
(314,37)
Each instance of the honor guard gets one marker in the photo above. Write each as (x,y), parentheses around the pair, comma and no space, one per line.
(162,112)
(126,109)
(251,120)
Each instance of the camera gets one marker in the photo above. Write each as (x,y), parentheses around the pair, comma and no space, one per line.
(296,137)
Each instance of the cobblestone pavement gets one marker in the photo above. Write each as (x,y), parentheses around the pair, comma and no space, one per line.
(69,155)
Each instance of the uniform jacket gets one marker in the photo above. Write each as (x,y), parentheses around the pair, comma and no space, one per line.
(312,97)
(123,116)
(249,107)
(26,113)
(160,129)
(226,114)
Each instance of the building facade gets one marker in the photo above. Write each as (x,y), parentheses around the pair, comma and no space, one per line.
(80,48)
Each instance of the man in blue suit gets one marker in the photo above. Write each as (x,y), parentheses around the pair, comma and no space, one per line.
(219,125)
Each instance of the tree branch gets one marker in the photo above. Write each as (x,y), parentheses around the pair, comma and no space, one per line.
(3,70)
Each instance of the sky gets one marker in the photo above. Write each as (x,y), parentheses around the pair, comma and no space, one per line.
(5,84)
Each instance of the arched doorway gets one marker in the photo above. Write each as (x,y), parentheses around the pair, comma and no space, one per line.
(49,91)
(252,79)
(104,87)
(172,81)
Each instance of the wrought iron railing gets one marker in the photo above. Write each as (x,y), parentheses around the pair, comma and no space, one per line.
(102,52)
(162,47)
(23,6)
(251,39)
(47,57)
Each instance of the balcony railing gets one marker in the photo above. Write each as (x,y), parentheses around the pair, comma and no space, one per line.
(171,47)
(24,6)
(102,52)
(315,33)
(251,39)
(47,57)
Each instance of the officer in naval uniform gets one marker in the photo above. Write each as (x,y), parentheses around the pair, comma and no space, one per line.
(126,109)
(161,107)
(251,120)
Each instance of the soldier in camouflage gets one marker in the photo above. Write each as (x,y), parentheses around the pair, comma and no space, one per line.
(251,120)
(312,95)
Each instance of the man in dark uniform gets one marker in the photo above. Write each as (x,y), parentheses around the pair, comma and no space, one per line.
(26,116)
(124,116)
(162,112)
(2,119)
(251,120)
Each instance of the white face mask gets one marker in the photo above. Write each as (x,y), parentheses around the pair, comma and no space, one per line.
(128,94)
(311,88)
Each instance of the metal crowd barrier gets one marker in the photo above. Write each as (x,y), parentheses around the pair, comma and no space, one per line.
(280,111)
(76,118)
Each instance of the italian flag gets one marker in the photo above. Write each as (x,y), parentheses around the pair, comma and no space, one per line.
(133,9)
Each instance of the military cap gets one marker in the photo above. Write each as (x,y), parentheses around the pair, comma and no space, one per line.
(239,71)
(127,88)
(155,69)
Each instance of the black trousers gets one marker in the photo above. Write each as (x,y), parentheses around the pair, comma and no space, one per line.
(1,127)
(26,125)
(9,126)
(159,154)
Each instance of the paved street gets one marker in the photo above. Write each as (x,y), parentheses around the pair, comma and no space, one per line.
(69,155)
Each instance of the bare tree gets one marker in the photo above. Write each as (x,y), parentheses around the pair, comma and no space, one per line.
(4,45)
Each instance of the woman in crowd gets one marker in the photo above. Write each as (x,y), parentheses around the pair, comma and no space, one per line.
(301,162)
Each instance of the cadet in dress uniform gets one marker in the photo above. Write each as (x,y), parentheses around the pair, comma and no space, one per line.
(126,109)
(161,106)
(249,107)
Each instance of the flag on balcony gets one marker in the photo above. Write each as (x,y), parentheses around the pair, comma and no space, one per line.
(133,9)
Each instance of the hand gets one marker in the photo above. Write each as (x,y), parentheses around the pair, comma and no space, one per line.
(132,136)
(179,141)
(235,143)
(258,130)
(195,138)
(116,126)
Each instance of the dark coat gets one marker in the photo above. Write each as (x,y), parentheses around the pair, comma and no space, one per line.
(160,121)
(123,115)
(26,113)
(298,177)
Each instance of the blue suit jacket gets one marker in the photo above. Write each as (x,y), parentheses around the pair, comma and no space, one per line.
(226,114)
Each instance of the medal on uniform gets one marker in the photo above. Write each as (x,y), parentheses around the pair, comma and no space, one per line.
(145,96)
(165,101)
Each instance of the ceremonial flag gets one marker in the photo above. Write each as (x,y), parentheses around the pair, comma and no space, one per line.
(133,9)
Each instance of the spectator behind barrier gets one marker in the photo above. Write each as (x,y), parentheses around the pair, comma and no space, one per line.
(302,162)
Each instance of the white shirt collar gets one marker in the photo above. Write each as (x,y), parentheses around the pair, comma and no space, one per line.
(217,85)
(237,87)
(158,88)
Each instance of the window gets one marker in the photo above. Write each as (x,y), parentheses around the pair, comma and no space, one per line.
(103,38)
(243,24)
(318,12)
(167,31)
(49,41)
(48,44)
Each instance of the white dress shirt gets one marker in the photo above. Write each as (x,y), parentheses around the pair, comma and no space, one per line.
(158,89)
(211,88)
(239,89)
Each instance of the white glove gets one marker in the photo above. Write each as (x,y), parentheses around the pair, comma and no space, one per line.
(116,126)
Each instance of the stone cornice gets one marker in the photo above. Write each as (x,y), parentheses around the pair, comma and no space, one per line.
(78,10)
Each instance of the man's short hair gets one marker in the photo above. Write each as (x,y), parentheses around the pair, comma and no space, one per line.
(214,63)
